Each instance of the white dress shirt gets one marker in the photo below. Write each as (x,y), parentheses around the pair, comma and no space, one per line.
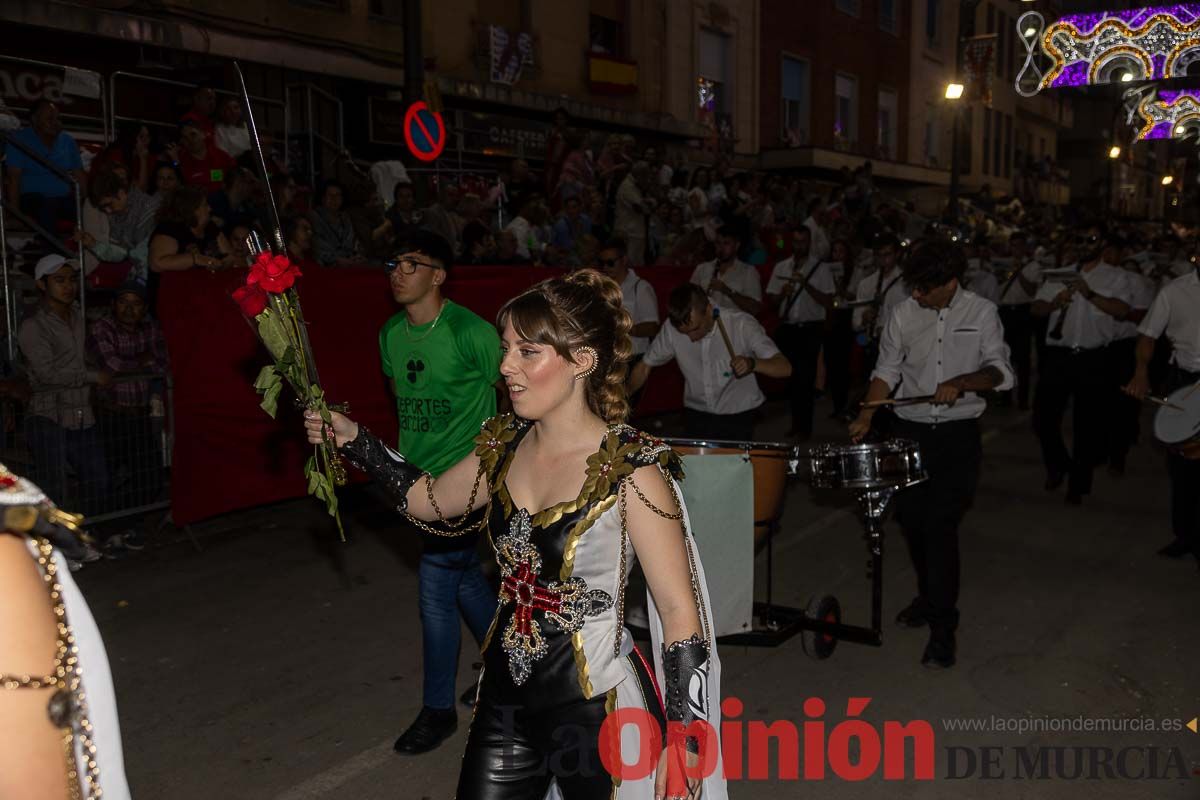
(709,384)
(1176,311)
(1015,294)
(924,347)
(895,291)
(820,239)
(799,309)
(1087,327)
(740,277)
(640,300)
(979,280)
(1142,292)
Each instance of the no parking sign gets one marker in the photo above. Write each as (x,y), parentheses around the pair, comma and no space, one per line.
(424,132)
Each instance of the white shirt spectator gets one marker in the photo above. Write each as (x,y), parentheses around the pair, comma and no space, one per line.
(924,347)
(1142,292)
(981,281)
(629,219)
(820,239)
(894,290)
(709,383)
(233,139)
(798,309)
(524,231)
(640,300)
(1087,327)
(740,277)
(1176,311)
(1015,294)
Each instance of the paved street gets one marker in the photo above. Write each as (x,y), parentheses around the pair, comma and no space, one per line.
(279,663)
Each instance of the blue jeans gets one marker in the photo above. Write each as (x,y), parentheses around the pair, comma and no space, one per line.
(450,582)
(53,448)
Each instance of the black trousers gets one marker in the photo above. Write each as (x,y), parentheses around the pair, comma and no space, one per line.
(839,340)
(929,513)
(513,752)
(1124,411)
(1185,478)
(727,427)
(1018,333)
(801,344)
(1083,376)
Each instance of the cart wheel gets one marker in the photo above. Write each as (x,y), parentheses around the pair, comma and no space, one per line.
(818,645)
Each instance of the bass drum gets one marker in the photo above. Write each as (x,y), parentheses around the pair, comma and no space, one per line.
(772,462)
(1180,430)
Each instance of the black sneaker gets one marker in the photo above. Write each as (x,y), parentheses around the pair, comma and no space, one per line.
(133,540)
(913,616)
(940,652)
(432,727)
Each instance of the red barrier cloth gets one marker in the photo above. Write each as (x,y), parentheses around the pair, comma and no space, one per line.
(228,454)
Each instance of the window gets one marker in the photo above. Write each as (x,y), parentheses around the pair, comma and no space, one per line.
(606,35)
(851,7)
(1008,140)
(713,84)
(987,139)
(845,111)
(887,117)
(933,30)
(888,11)
(933,147)
(997,142)
(795,93)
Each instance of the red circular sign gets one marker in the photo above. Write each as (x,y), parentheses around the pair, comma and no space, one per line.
(424,132)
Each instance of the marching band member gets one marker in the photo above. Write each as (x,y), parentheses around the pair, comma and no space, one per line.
(1122,360)
(720,392)
(801,292)
(1175,312)
(1016,296)
(946,342)
(732,283)
(885,289)
(1083,314)
(979,278)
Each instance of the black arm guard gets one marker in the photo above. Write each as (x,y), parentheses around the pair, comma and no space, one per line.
(685,671)
(383,465)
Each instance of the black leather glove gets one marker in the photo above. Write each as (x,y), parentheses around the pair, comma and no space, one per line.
(383,465)
(685,671)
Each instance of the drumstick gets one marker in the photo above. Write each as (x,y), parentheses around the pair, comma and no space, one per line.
(907,401)
(1158,401)
(724,333)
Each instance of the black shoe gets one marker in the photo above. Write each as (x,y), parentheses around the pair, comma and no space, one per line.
(431,728)
(1176,549)
(1074,498)
(467,698)
(1054,480)
(913,616)
(940,652)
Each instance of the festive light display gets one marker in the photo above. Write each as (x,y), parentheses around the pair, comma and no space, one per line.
(1164,114)
(1110,46)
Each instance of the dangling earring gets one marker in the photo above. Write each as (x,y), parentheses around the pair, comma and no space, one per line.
(595,361)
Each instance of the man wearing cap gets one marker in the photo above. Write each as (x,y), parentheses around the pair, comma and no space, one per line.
(128,343)
(60,426)
(443,363)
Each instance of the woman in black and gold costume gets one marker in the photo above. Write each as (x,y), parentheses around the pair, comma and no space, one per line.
(558,659)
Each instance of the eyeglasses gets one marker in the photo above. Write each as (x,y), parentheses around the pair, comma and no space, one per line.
(408,263)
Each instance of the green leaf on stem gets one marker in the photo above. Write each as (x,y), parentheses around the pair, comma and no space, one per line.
(269,384)
(274,334)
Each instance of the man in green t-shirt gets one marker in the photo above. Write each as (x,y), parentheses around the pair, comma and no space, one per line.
(443,362)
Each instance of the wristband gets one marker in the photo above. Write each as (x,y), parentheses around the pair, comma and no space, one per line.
(685,672)
(395,474)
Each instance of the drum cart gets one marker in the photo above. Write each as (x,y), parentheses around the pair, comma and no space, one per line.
(875,472)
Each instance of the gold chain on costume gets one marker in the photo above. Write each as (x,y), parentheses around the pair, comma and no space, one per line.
(693,574)
(453,525)
(68,706)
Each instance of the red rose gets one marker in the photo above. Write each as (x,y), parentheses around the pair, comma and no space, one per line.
(273,273)
(251,299)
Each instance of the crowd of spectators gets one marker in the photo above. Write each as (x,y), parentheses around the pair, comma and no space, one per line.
(189,198)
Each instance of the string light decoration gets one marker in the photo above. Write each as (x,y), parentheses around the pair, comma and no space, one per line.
(1163,113)
(1109,47)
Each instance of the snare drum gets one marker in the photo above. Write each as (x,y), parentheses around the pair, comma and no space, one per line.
(1180,430)
(887,465)
(772,462)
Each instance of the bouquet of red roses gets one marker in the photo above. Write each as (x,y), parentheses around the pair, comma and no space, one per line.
(269,301)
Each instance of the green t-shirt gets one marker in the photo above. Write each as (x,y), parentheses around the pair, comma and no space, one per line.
(445,379)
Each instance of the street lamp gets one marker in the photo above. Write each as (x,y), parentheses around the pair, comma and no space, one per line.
(954,93)
(1168,180)
(1114,152)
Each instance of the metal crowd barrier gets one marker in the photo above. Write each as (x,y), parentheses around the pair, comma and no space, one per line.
(90,455)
